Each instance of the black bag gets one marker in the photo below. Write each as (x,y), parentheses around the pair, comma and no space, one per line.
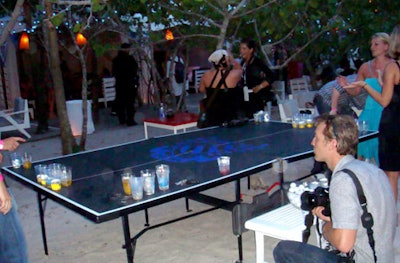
(179,71)
(202,122)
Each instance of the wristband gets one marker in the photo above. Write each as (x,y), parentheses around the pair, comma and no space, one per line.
(1,144)
(1,178)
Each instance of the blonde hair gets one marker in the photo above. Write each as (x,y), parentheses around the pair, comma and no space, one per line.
(382,36)
(394,49)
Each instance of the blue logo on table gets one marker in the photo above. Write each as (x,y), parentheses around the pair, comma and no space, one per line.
(201,150)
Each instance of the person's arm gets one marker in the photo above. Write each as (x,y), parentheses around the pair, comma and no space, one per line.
(264,84)
(334,101)
(390,78)
(5,198)
(267,80)
(202,84)
(341,239)
(361,76)
(11,143)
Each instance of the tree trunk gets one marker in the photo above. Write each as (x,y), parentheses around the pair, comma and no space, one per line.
(84,98)
(67,140)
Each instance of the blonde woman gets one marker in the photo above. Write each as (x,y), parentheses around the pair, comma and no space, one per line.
(371,73)
(389,98)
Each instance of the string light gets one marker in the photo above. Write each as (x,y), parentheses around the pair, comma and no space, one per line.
(80,39)
(169,35)
(24,41)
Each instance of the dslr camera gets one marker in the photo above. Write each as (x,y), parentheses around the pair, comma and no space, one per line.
(319,197)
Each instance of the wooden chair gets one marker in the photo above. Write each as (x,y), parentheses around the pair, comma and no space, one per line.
(108,91)
(17,118)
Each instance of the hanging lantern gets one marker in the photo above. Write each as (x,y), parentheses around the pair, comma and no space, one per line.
(169,35)
(24,41)
(81,39)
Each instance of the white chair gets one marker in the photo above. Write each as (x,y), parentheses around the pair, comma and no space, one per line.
(278,87)
(16,118)
(285,223)
(304,100)
(287,108)
(198,73)
(108,91)
(298,84)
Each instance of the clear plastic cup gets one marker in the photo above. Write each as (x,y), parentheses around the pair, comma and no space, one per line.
(148,181)
(162,172)
(136,187)
(224,164)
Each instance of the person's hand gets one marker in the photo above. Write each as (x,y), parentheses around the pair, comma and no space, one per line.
(333,112)
(354,85)
(342,81)
(257,88)
(317,211)
(5,199)
(12,143)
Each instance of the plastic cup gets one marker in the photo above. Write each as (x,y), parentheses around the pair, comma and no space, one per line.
(66,176)
(55,184)
(126,183)
(27,161)
(55,170)
(162,172)
(41,174)
(309,123)
(363,125)
(224,164)
(136,187)
(16,160)
(148,181)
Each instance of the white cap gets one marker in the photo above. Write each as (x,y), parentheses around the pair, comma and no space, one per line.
(217,55)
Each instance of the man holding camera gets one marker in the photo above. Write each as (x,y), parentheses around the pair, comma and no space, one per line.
(335,143)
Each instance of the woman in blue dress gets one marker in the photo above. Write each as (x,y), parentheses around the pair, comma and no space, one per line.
(370,72)
(389,126)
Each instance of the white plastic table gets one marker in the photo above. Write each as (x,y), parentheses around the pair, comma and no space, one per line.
(180,121)
(286,223)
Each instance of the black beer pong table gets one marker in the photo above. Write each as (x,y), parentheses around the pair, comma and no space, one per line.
(96,191)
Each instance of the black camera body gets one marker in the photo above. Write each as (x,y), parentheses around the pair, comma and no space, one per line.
(319,197)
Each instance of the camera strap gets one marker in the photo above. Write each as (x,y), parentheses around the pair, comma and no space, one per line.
(308,221)
(366,218)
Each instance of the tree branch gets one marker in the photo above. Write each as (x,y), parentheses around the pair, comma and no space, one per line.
(76,2)
(10,25)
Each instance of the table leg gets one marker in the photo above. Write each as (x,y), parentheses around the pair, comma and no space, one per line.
(145,130)
(237,190)
(127,236)
(259,247)
(42,225)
